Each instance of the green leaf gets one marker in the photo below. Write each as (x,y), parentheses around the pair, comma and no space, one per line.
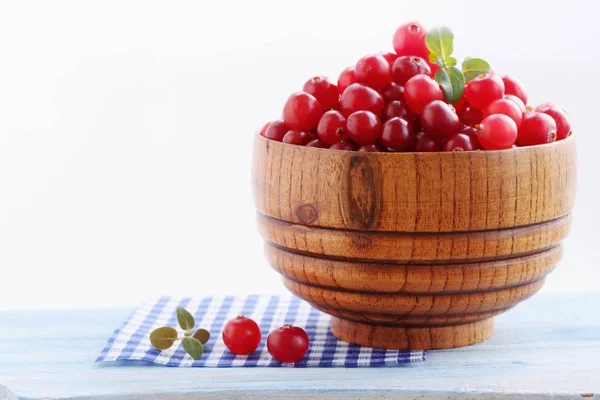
(473,67)
(433,58)
(185,319)
(450,62)
(439,41)
(202,335)
(452,82)
(162,338)
(193,347)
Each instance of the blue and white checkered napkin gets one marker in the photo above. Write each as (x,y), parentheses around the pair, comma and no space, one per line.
(131,342)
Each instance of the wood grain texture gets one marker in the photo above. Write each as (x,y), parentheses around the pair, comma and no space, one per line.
(413,250)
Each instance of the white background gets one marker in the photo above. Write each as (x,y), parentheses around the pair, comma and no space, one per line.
(126,130)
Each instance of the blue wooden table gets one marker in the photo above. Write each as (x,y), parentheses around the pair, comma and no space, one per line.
(549,346)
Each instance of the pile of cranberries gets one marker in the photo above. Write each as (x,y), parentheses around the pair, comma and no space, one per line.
(391,102)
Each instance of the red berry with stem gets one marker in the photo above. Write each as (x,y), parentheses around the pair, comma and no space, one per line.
(263,130)
(563,124)
(371,148)
(389,56)
(393,91)
(406,67)
(276,130)
(536,128)
(421,90)
(364,127)
(332,127)
(497,132)
(409,40)
(396,108)
(517,101)
(397,135)
(359,97)
(241,335)
(346,79)
(345,145)
(458,142)
(297,137)
(325,91)
(302,111)
(374,71)
(514,87)
(426,143)
(439,119)
(287,344)
(317,143)
(484,89)
(470,116)
(506,107)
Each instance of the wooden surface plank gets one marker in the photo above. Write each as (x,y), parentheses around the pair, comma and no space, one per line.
(547,346)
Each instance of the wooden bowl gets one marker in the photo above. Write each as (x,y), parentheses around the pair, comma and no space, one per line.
(413,250)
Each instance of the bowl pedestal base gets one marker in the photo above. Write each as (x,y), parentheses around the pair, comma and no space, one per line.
(409,338)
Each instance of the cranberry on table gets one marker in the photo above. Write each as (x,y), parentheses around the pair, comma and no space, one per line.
(263,130)
(506,107)
(317,143)
(421,90)
(406,67)
(517,101)
(302,111)
(514,87)
(396,108)
(359,97)
(536,128)
(332,127)
(364,127)
(374,71)
(276,130)
(346,79)
(470,115)
(325,91)
(409,40)
(297,137)
(397,135)
(287,344)
(563,124)
(393,91)
(459,142)
(371,148)
(345,145)
(426,143)
(497,132)
(439,119)
(241,335)
(484,89)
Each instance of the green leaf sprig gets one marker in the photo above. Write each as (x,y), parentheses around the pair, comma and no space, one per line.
(193,343)
(440,43)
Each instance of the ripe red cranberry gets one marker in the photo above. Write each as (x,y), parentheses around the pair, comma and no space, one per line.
(371,148)
(389,56)
(263,130)
(393,91)
(409,40)
(514,87)
(439,119)
(458,142)
(536,128)
(332,127)
(276,130)
(317,143)
(374,71)
(484,89)
(497,132)
(297,137)
(434,68)
(302,111)
(325,91)
(517,101)
(506,107)
(406,67)
(397,135)
(346,79)
(358,97)
(563,125)
(421,90)
(364,127)
(426,144)
(470,116)
(345,145)
(462,102)
(396,108)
